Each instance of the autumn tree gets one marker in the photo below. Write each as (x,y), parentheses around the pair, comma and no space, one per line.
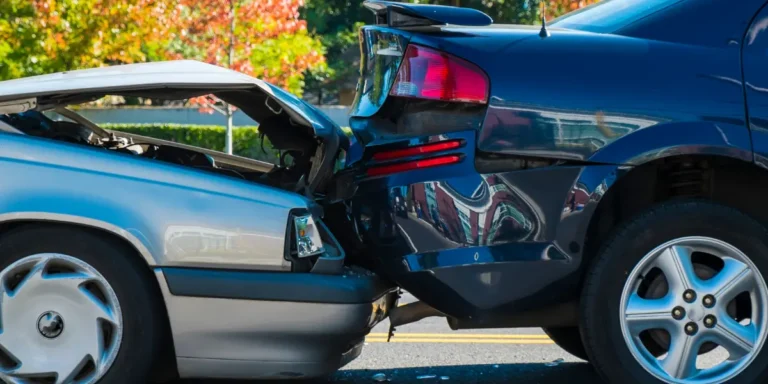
(43,36)
(262,38)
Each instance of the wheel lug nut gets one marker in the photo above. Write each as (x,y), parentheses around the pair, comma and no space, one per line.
(691,329)
(710,321)
(709,301)
(689,296)
(678,313)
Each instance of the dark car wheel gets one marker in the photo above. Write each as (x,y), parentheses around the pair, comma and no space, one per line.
(75,307)
(569,339)
(678,295)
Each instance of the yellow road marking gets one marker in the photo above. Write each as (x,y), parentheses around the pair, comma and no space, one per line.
(459,341)
(461,336)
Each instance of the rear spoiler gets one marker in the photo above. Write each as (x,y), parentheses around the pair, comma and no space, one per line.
(414,15)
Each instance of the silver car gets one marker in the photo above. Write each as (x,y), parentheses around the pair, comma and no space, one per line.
(125,258)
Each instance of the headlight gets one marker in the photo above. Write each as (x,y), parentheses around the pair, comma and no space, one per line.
(308,242)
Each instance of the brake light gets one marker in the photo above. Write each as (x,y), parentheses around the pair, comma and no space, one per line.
(430,74)
(417,150)
(413,165)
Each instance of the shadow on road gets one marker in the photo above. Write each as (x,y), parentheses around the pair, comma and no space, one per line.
(528,373)
(539,373)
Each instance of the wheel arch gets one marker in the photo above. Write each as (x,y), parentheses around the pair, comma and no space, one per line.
(720,178)
(126,236)
(165,368)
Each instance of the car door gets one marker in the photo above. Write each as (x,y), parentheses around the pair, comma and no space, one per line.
(755,82)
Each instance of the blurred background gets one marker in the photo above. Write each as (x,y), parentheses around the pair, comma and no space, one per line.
(308,47)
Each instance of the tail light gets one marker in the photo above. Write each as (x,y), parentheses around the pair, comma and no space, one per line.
(308,241)
(417,150)
(389,169)
(426,73)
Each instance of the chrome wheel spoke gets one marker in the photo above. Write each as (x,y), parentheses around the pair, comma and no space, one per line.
(739,340)
(735,278)
(645,314)
(681,358)
(675,263)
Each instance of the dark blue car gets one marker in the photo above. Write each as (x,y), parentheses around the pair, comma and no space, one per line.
(603,176)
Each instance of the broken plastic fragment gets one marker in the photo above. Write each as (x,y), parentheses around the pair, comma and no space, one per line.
(554,363)
(426,377)
(495,365)
(380,378)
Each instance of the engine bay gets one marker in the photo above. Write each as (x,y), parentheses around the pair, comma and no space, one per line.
(296,155)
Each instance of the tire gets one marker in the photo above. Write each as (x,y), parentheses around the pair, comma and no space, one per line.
(569,339)
(606,316)
(137,299)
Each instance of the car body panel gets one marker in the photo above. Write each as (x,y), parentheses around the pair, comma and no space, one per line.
(504,231)
(180,216)
(236,338)
(242,302)
(572,114)
(756,84)
(477,245)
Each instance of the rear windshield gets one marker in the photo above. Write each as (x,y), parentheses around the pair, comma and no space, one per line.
(611,15)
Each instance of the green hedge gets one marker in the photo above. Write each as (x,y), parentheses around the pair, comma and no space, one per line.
(246,140)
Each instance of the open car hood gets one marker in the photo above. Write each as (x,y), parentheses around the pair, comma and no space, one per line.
(165,80)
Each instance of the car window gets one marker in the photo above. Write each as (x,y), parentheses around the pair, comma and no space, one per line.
(611,15)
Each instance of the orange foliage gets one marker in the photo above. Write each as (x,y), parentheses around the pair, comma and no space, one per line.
(204,33)
(555,8)
(92,32)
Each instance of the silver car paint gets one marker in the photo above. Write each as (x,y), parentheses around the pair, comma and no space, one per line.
(179,216)
(241,339)
(174,215)
(23,94)
(182,73)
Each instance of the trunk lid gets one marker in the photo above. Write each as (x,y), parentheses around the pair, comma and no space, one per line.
(172,79)
(283,117)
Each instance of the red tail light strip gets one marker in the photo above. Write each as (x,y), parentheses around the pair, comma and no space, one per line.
(418,150)
(427,73)
(413,165)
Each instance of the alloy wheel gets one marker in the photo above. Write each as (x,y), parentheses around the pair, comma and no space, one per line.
(60,321)
(696,311)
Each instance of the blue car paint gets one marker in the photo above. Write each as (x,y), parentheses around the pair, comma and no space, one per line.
(756,84)
(482,244)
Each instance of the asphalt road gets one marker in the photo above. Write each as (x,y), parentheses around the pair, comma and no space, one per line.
(430,348)
(429,351)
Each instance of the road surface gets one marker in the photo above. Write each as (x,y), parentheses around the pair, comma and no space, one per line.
(431,350)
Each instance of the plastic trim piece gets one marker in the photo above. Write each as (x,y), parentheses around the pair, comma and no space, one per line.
(348,288)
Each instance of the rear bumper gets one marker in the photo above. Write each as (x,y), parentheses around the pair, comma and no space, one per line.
(257,325)
(486,249)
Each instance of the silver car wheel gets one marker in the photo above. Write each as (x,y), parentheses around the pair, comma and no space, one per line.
(60,321)
(697,312)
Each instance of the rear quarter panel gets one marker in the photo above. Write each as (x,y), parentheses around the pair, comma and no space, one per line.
(574,94)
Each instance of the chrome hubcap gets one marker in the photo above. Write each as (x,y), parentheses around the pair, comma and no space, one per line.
(60,321)
(724,312)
